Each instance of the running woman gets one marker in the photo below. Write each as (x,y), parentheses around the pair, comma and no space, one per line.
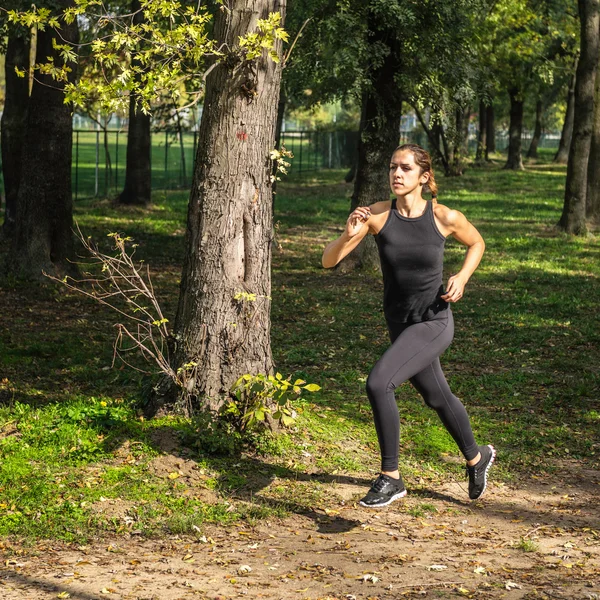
(410,233)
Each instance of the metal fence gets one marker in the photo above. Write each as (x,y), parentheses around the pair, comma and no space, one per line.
(99,159)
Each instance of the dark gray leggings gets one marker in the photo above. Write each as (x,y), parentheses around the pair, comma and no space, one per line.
(414,355)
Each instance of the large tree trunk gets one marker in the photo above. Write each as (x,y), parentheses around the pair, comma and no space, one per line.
(378,138)
(574,211)
(537,132)
(138,175)
(43,239)
(593,174)
(13,124)
(223,317)
(490,135)
(562,155)
(481,153)
(515,160)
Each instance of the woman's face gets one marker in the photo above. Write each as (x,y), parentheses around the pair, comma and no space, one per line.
(405,175)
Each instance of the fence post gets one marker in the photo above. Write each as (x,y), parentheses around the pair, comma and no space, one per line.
(76,165)
(97,163)
(301,152)
(166,158)
(330,146)
(117,164)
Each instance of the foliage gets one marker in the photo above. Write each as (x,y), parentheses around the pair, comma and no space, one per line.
(256,397)
(147,57)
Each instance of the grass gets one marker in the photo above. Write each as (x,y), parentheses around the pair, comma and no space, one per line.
(76,459)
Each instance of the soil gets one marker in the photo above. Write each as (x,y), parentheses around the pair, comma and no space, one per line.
(536,539)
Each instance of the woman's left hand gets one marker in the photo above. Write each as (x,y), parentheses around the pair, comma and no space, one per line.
(455,289)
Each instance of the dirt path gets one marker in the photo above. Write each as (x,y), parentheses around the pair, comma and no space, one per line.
(540,540)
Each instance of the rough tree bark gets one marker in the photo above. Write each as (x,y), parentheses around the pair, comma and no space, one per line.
(13,123)
(537,132)
(43,239)
(573,218)
(379,132)
(219,326)
(138,175)
(562,155)
(515,159)
(481,154)
(490,135)
(593,174)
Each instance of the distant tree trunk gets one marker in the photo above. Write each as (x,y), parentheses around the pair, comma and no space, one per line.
(278,127)
(490,135)
(593,173)
(481,153)
(43,239)
(562,155)
(181,146)
(138,174)
(13,124)
(537,133)
(219,326)
(515,159)
(460,142)
(381,114)
(573,219)
(437,139)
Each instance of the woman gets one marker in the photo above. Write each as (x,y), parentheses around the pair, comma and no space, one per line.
(410,233)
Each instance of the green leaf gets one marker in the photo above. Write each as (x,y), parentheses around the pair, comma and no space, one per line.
(312,387)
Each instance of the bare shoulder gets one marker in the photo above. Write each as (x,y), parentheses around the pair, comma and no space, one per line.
(379,208)
(449,217)
(379,212)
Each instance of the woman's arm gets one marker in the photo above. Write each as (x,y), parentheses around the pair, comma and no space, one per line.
(461,229)
(356,229)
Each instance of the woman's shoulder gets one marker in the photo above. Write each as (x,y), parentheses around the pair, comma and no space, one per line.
(378,208)
(446,215)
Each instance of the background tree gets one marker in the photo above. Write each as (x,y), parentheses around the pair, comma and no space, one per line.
(43,237)
(12,124)
(573,218)
(138,174)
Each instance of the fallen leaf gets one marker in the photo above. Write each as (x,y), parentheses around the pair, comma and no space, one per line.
(437,567)
(63,595)
(511,585)
(244,569)
(480,571)
(369,577)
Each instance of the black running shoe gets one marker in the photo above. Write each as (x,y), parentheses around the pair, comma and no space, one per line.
(384,491)
(478,473)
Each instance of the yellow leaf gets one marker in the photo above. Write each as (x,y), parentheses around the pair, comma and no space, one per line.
(63,595)
(173,475)
(189,558)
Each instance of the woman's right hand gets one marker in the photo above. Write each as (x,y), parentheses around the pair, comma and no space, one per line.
(356,220)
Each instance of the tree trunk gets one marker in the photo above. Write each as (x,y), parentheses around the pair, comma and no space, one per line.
(562,155)
(43,239)
(593,173)
(138,174)
(574,210)
(13,125)
(223,317)
(490,135)
(537,132)
(437,139)
(481,153)
(378,138)
(515,159)
(460,142)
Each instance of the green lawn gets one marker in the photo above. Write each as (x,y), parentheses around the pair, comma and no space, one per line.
(524,361)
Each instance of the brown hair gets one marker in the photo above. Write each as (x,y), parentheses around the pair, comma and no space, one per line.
(423,159)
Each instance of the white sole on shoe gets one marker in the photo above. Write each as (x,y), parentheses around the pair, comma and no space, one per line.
(486,471)
(392,499)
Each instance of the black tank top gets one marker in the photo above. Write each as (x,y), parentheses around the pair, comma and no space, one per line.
(412,256)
